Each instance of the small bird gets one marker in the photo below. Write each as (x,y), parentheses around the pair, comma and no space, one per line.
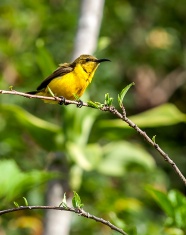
(69,80)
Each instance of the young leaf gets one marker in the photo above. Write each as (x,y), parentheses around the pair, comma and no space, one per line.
(64,199)
(16,204)
(123,93)
(76,201)
(64,202)
(95,105)
(25,200)
(154,138)
(108,99)
(76,97)
(162,199)
(10,88)
(50,91)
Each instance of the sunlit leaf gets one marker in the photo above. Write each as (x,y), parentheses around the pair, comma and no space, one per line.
(108,99)
(76,201)
(16,204)
(44,59)
(87,157)
(154,138)
(163,115)
(64,202)
(162,199)
(25,200)
(14,182)
(93,104)
(118,155)
(123,93)
(76,174)
(36,127)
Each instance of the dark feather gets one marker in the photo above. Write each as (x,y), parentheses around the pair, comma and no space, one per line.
(62,70)
(32,92)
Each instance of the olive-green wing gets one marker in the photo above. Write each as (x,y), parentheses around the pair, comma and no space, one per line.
(62,70)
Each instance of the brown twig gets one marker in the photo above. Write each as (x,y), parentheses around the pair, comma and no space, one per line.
(121,116)
(13,92)
(78,211)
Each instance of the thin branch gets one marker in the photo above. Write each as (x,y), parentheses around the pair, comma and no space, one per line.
(78,211)
(121,116)
(13,92)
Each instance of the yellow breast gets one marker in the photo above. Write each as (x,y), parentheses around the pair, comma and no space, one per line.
(70,85)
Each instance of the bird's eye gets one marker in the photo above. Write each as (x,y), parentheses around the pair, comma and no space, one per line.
(88,59)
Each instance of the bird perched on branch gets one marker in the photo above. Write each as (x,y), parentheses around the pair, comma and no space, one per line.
(69,80)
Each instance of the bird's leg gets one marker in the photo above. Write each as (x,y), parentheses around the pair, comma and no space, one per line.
(62,101)
(80,103)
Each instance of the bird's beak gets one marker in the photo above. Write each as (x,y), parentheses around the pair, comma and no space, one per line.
(102,60)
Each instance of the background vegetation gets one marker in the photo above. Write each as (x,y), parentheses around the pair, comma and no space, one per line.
(118,176)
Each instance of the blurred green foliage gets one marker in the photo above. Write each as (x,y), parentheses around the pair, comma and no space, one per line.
(14,182)
(109,164)
(174,206)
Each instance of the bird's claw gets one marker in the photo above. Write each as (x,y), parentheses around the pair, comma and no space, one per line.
(80,103)
(62,101)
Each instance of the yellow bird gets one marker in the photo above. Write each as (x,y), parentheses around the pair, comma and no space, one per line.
(69,80)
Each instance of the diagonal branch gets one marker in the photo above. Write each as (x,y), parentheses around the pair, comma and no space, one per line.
(121,116)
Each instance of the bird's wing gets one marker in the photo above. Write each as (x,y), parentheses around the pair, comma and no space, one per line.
(62,70)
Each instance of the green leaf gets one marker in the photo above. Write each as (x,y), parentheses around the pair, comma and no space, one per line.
(44,58)
(177,198)
(16,204)
(86,157)
(118,155)
(78,124)
(163,115)
(178,202)
(50,91)
(64,202)
(162,199)
(10,88)
(95,105)
(76,201)
(14,182)
(64,199)
(25,200)
(123,93)
(76,174)
(108,99)
(36,127)
(76,97)
(174,231)
(154,138)
(173,204)
(78,155)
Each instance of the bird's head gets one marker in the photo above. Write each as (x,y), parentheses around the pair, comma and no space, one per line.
(89,63)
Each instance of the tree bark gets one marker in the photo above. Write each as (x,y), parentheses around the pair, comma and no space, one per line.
(58,223)
(88,27)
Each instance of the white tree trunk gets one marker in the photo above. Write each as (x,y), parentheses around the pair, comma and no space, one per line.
(88,27)
(57,222)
